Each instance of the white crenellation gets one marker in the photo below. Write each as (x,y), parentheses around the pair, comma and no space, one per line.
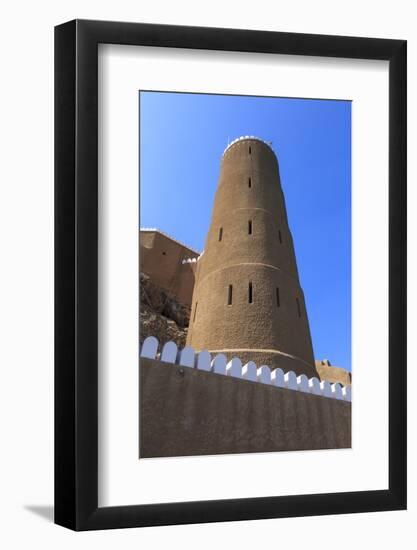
(169,352)
(302,383)
(326,389)
(149,347)
(277,378)
(347,393)
(249,371)
(337,391)
(264,374)
(314,386)
(290,379)
(204,360)
(219,365)
(234,368)
(186,357)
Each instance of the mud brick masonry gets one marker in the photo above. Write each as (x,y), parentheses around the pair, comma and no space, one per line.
(191,404)
(249,250)
(247,304)
(247,300)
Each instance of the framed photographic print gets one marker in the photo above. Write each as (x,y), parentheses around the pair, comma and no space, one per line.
(230,275)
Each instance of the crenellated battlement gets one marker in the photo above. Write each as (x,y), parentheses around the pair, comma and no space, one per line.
(244,138)
(218,365)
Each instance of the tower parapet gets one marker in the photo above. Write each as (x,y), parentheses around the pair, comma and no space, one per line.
(247,299)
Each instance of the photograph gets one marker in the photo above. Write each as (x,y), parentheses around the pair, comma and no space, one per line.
(245,274)
(208,334)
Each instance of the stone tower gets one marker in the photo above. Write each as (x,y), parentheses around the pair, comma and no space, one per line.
(247,299)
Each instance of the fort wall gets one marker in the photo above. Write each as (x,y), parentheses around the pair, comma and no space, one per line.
(162,259)
(195,405)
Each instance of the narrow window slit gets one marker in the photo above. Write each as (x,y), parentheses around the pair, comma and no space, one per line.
(250,182)
(230,295)
(250,150)
(298,307)
(250,293)
(250,227)
(220,233)
(280,236)
(278,300)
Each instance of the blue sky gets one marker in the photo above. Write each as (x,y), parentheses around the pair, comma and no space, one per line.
(182,138)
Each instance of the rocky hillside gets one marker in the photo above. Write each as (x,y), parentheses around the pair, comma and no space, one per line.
(161,315)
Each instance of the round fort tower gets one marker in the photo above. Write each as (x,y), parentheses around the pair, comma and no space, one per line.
(247,300)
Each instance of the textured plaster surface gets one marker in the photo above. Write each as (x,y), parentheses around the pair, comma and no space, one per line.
(184,411)
(250,243)
(161,259)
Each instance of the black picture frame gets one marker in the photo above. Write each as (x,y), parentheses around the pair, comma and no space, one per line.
(76,272)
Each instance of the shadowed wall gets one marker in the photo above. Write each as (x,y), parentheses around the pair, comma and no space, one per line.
(184,411)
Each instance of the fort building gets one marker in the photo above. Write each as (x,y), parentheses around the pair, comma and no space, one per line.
(226,358)
(244,288)
(164,260)
(247,300)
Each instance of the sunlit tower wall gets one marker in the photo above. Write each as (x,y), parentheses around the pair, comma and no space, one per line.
(247,300)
